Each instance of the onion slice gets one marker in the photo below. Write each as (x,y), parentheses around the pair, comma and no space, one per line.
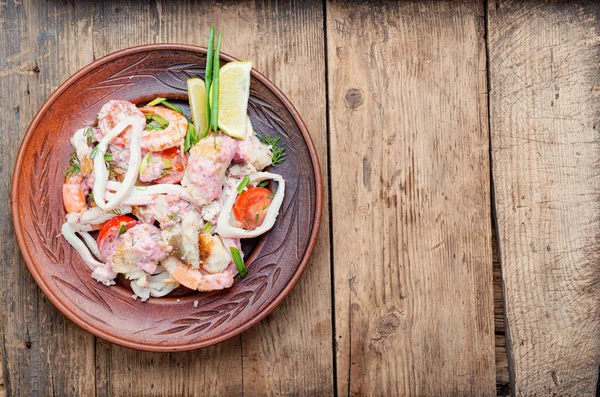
(101,172)
(224,227)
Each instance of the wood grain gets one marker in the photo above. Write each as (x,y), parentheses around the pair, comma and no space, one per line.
(291,350)
(410,193)
(41,46)
(545,112)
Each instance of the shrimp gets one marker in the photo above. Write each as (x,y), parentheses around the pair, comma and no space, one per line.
(73,196)
(112,113)
(171,136)
(194,279)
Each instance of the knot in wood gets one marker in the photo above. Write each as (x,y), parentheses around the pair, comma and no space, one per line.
(353,98)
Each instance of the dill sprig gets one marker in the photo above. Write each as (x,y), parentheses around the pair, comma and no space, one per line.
(277,151)
(175,216)
(73,167)
(88,133)
(94,152)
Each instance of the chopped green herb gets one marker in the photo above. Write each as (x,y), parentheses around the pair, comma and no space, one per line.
(156,101)
(271,196)
(94,152)
(116,211)
(108,157)
(257,218)
(190,138)
(214,115)
(208,77)
(163,101)
(239,262)
(157,118)
(208,227)
(247,222)
(175,216)
(122,230)
(167,164)
(73,167)
(277,152)
(243,184)
(171,106)
(263,184)
(91,197)
(154,127)
(145,162)
(133,242)
(88,133)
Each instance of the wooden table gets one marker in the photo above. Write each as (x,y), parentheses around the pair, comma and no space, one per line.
(435,122)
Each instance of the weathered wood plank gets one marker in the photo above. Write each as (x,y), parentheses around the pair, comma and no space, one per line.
(2,386)
(502,373)
(41,46)
(410,192)
(545,112)
(291,350)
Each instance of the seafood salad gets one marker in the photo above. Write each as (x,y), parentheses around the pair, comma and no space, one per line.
(164,199)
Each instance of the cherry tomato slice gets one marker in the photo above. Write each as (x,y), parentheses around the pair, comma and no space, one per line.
(108,237)
(251,207)
(177,164)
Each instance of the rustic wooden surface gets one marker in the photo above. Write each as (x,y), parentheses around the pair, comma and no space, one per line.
(406,289)
(545,123)
(415,256)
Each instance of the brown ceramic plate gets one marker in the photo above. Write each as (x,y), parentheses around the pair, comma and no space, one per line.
(275,264)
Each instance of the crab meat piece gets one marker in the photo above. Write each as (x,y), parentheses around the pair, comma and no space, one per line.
(140,248)
(183,238)
(214,256)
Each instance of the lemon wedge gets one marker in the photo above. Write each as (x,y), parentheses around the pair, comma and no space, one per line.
(197,98)
(234,90)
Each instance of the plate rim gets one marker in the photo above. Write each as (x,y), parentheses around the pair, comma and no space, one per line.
(98,332)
